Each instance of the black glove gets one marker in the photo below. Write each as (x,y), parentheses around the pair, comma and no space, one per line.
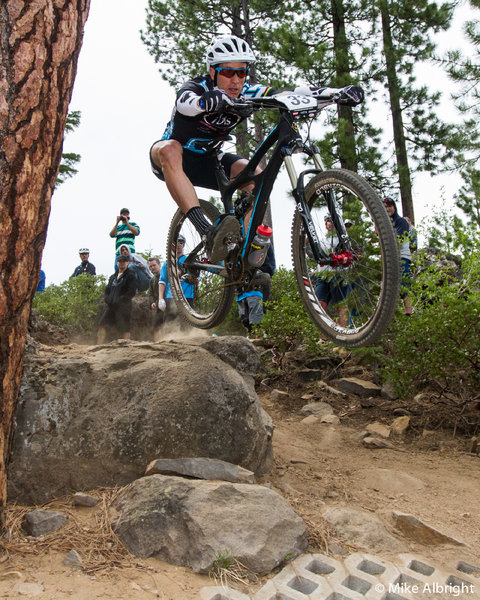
(214,101)
(352,95)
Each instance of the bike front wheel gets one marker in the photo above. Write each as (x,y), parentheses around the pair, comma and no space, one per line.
(202,295)
(351,305)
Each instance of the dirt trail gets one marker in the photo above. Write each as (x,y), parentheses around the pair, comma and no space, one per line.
(316,465)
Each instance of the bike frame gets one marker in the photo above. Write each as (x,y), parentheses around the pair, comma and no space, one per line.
(287,141)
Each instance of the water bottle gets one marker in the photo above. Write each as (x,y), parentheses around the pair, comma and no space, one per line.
(259,246)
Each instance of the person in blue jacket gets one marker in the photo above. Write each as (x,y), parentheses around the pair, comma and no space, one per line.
(166,303)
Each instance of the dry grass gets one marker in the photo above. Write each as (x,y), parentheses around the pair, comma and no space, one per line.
(88,531)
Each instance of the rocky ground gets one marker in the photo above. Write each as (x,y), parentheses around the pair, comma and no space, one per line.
(429,473)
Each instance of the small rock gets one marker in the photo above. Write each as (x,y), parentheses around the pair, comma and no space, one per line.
(40,522)
(474,446)
(201,468)
(28,589)
(310,420)
(11,575)
(416,530)
(279,395)
(419,397)
(310,374)
(400,425)
(370,402)
(360,387)
(308,397)
(324,386)
(427,433)
(316,408)
(73,559)
(331,419)
(401,412)
(336,549)
(375,443)
(80,499)
(379,429)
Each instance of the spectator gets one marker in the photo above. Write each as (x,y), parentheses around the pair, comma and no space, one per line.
(332,288)
(120,290)
(412,235)
(41,281)
(348,224)
(166,303)
(85,266)
(158,315)
(402,230)
(126,232)
(139,266)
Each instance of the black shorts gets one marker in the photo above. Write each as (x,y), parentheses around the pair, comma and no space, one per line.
(199,167)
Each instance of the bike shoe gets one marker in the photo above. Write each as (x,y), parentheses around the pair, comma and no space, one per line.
(219,236)
(260,278)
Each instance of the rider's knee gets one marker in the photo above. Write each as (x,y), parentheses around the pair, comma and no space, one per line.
(167,154)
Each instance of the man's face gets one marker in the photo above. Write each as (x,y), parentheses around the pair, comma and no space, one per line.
(125,214)
(329,224)
(390,209)
(154,266)
(122,265)
(180,247)
(124,251)
(84,256)
(232,86)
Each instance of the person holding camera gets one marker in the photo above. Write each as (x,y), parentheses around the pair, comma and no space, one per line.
(125,232)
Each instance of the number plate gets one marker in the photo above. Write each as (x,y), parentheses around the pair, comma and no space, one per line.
(297,102)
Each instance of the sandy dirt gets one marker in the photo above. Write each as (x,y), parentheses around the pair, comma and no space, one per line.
(316,465)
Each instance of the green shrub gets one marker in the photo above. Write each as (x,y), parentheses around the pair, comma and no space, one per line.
(286,324)
(440,341)
(74,304)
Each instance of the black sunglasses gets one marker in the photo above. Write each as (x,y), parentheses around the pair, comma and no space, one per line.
(229,73)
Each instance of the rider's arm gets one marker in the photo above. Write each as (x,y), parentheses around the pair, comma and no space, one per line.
(113,233)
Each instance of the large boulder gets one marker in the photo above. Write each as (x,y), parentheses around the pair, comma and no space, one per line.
(195,523)
(97,416)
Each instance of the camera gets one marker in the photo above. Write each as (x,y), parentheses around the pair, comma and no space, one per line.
(123,219)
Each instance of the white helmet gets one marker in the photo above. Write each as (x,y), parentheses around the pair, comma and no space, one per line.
(84,251)
(228,48)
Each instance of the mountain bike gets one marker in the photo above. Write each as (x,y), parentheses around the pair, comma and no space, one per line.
(365,262)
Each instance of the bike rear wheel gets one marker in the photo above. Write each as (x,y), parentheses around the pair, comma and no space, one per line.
(361,298)
(212,297)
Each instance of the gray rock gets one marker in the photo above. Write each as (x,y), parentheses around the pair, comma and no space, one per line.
(375,443)
(361,529)
(279,395)
(378,429)
(359,387)
(400,425)
(96,418)
(80,499)
(189,522)
(40,522)
(73,559)
(317,409)
(419,531)
(201,468)
(311,374)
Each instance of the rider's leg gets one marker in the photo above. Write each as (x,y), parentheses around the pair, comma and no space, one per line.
(235,169)
(168,156)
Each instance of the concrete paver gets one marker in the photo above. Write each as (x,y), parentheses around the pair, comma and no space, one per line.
(362,576)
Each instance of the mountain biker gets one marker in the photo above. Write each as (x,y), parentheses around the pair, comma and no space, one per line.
(199,115)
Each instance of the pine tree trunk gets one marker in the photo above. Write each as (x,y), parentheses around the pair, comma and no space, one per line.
(397,118)
(39,46)
(345,131)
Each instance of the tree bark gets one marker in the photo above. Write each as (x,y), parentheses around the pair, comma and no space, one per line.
(39,45)
(397,116)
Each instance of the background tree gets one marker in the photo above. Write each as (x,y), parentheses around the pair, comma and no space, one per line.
(420,137)
(39,47)
(69,161)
